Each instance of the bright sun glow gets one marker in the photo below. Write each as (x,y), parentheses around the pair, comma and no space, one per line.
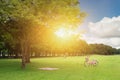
(64,33)
(61,32)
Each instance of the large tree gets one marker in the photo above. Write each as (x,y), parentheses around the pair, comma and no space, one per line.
(25,19)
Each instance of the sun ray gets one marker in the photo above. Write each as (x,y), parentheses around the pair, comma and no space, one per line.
(61,32)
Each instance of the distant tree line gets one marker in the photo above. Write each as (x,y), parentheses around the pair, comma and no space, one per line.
(103,49)
(82,48)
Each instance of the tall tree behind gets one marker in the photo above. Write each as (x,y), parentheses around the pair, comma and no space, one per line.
(29,16)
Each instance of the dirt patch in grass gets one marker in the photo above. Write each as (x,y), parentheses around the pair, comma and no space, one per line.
(48,68)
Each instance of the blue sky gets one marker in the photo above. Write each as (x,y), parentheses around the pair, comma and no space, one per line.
(102,25)
(97,9)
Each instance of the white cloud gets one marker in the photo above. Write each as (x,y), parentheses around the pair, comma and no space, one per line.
(106,31)
(107,27)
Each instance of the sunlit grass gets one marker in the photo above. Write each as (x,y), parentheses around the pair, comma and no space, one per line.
(70,68)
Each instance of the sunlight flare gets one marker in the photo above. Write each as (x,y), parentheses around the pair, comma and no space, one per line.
(65,33)
(61,32)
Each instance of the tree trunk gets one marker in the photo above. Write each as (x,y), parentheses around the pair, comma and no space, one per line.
(23,62)
(23,55)
(27,53)
(23,51)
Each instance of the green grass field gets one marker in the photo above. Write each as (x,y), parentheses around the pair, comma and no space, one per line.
(70,68)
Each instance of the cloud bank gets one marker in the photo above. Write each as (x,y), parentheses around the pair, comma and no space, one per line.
(106,31)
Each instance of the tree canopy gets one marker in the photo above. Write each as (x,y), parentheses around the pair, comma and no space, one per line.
(24,23)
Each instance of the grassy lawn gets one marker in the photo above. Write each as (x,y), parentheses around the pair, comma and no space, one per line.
(70,68)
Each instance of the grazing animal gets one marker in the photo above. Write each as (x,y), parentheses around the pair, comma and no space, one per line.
(89,62)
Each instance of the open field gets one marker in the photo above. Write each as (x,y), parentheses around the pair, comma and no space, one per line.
(70,68)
